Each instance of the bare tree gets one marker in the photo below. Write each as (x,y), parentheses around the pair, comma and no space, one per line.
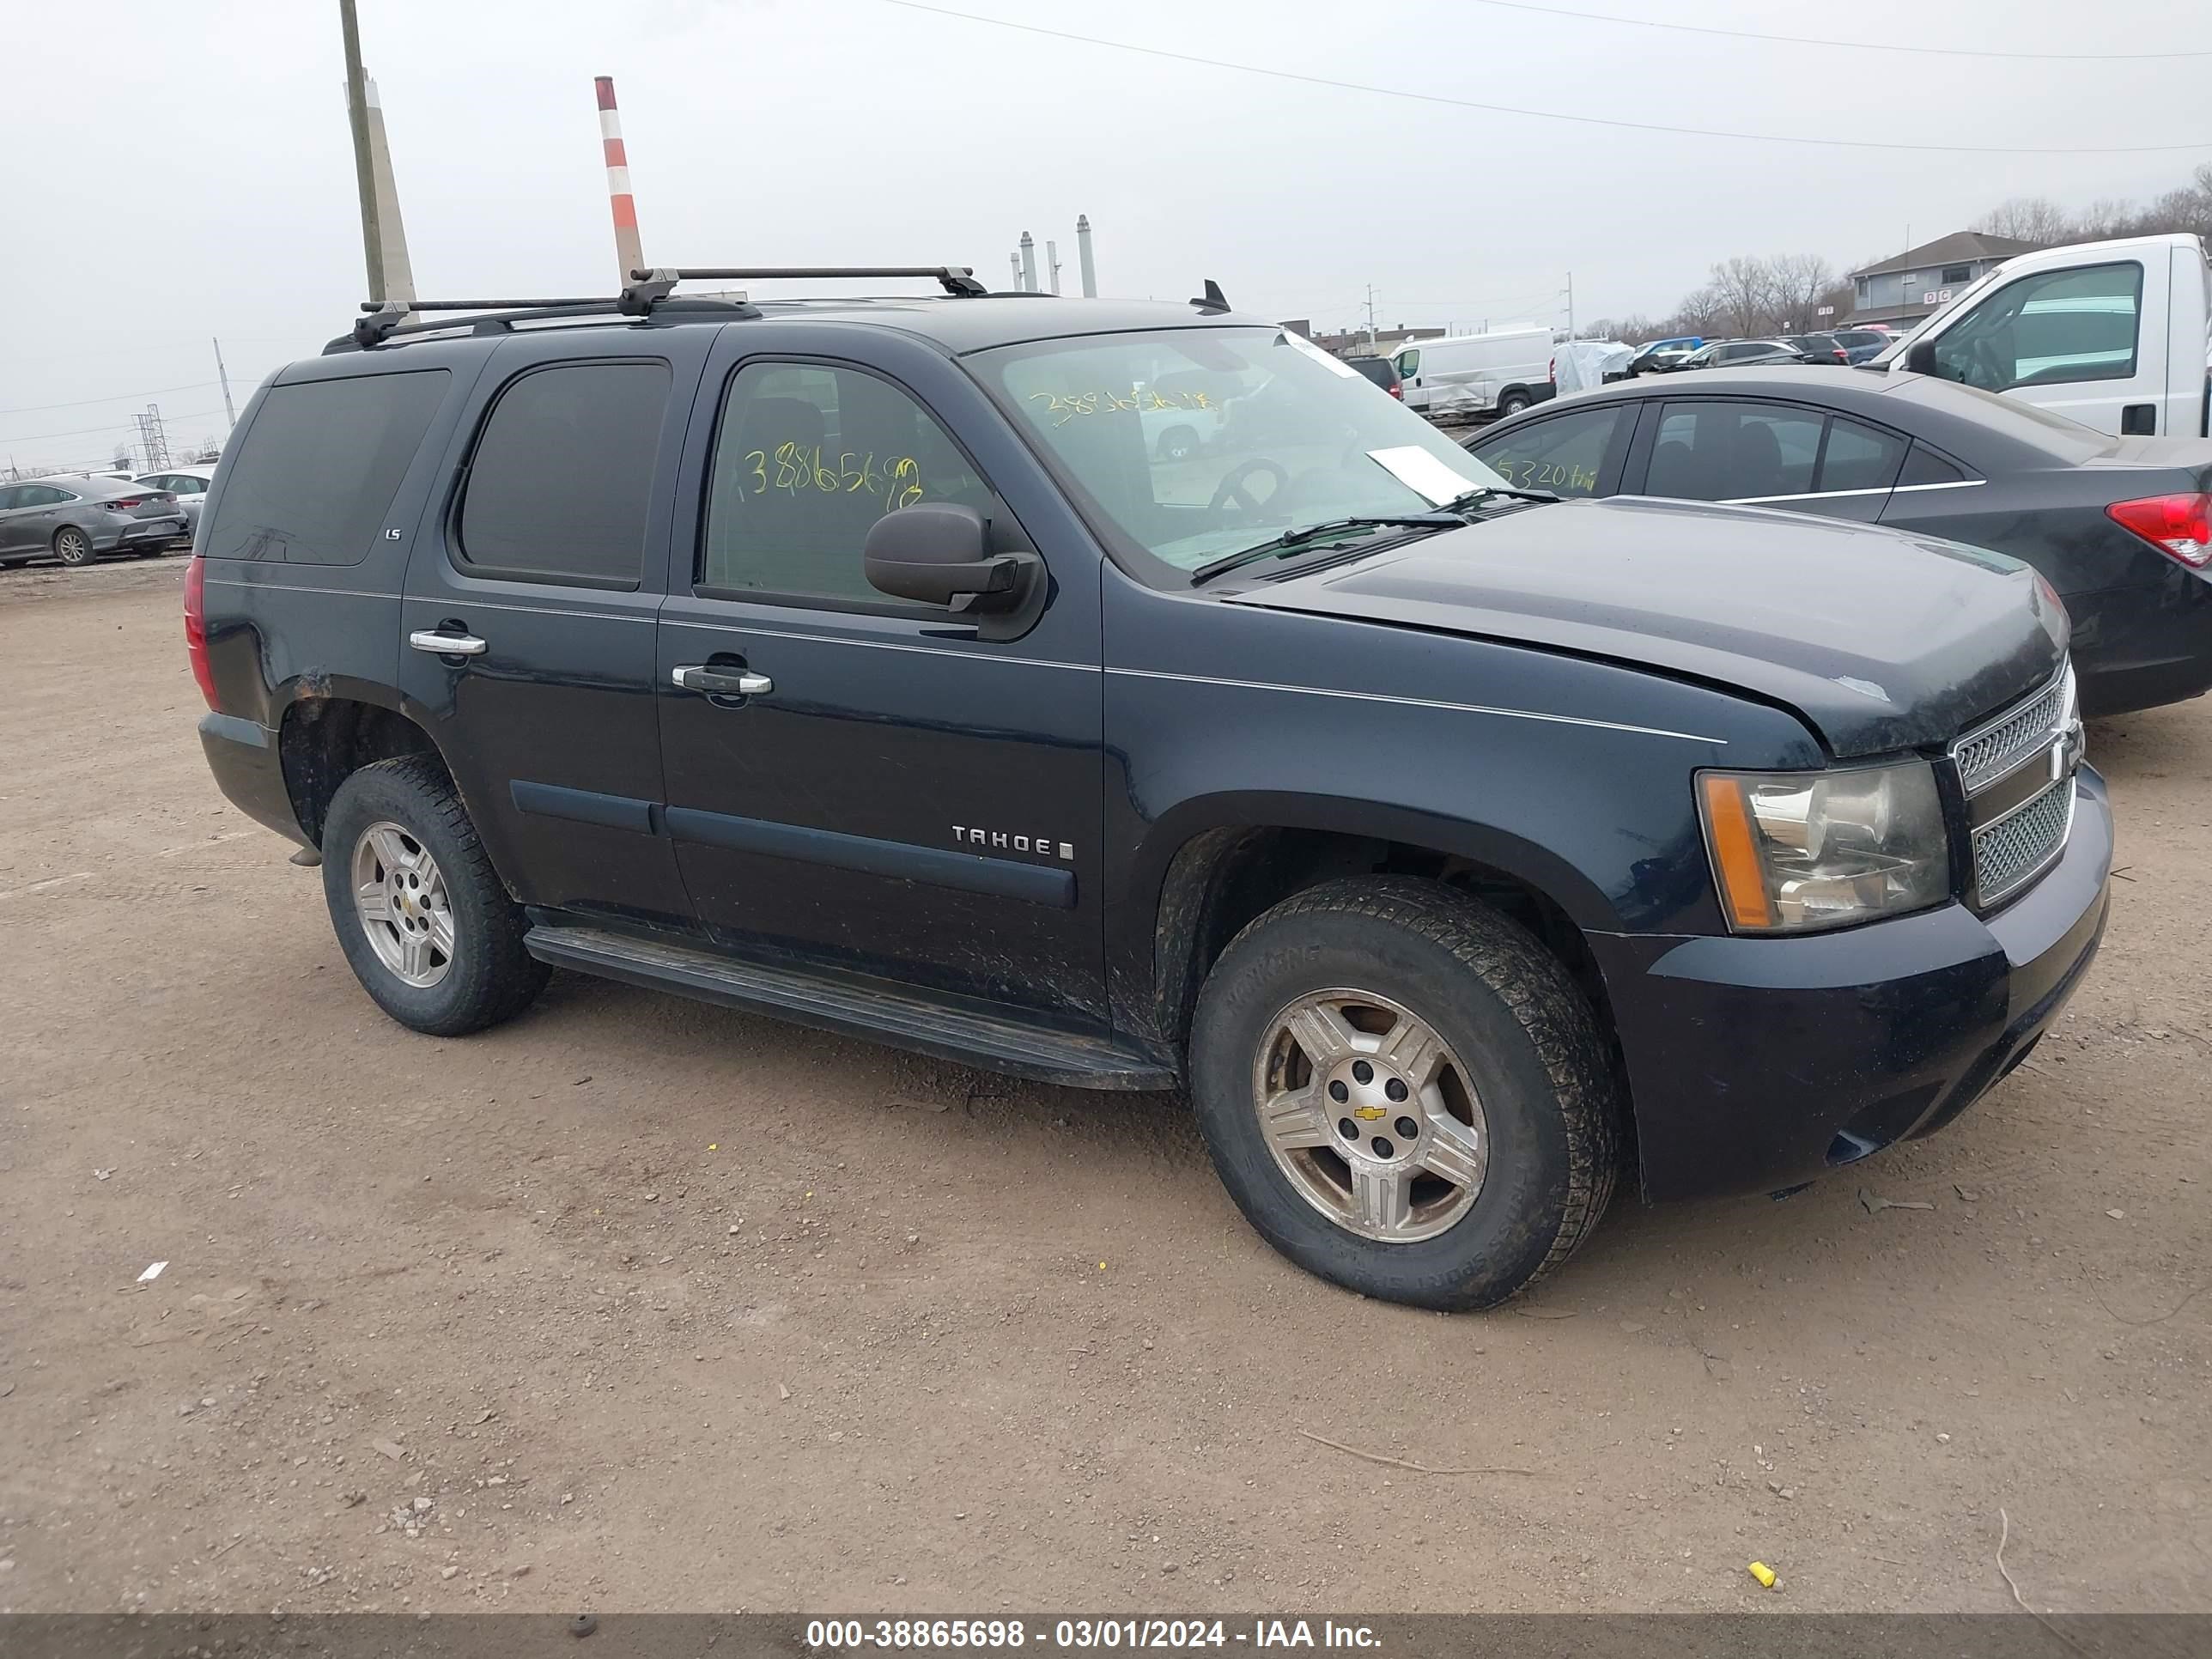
(2035,219)
(1741,288)
(1796,283)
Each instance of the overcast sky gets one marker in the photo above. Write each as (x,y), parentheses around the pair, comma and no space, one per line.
(182,171)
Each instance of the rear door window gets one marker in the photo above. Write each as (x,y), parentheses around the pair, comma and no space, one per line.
(1858,457)
(315,473)
(1734,450)
(1564,454)
(560,481)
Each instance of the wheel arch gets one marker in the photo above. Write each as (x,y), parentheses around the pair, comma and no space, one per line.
(328,727)
(1210,869)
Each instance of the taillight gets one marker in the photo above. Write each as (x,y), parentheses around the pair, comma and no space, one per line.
(127,502)
(1398,391)
(196,627)
(2180,526)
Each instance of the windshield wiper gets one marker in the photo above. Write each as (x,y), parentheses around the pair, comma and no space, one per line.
(1292,540)
(1476,497)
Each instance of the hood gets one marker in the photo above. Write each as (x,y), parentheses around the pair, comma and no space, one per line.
(1879,640)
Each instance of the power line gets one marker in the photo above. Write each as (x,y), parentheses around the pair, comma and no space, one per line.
(119,420)
(1846,45)
(1545,114)
(120,397)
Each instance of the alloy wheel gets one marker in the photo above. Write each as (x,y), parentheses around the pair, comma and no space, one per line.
(1371,1116)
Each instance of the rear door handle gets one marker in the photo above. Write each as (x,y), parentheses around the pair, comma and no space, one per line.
(447,645)
(720,683)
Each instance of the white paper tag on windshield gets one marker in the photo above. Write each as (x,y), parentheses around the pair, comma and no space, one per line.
(1298,341)
(1425,474)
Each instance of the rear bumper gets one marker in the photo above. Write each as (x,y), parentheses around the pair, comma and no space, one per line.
(248,769)
(142,533)
(1757,1064)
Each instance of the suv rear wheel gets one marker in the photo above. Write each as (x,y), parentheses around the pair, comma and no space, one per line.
(1406,1093)
(421,916)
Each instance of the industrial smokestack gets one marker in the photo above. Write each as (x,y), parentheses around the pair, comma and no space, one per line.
(1052,264)
(1029,265)
(1083,255)
(1014,270)
(392,235)
(628,254)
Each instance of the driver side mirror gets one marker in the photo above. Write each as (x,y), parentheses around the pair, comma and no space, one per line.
(1920,357)
(940,553)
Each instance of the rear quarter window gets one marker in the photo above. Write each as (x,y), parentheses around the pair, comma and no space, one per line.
(312,478)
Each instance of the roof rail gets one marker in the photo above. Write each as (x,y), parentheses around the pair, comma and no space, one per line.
(958,280)
(649,292)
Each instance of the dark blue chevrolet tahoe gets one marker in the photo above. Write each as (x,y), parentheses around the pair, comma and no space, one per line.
(1131,696)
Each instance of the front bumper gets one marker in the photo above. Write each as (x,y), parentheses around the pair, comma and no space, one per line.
(249,770)
(1757,1064)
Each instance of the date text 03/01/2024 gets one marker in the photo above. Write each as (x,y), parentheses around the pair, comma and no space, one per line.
(988,1635)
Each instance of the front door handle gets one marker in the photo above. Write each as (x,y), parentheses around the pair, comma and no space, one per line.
(447,645)
(720,683)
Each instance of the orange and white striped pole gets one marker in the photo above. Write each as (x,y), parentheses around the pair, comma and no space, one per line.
(628,254)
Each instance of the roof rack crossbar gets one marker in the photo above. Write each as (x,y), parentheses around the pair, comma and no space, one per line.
(496,316)
(954,279)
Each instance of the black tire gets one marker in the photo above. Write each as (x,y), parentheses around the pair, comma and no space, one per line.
(73,547)
(490,977)
(1513,402)
(1523,1034)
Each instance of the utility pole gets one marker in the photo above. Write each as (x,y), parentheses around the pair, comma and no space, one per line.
(372,234)
(229,409)
(1569,291)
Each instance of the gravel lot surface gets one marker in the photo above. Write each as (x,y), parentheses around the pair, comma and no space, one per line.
(636,1303)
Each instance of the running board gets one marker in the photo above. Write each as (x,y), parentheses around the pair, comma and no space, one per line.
(964,1030)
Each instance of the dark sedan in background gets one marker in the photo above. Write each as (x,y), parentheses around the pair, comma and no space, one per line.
(2120,526)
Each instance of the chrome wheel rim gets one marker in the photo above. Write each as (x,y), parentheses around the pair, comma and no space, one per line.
(71,548)
(400,898)
(1371,1116)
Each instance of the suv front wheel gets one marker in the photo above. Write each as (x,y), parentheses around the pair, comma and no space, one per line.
(421,916)
(1406,1093)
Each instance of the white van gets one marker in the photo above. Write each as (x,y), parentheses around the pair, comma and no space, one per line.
(2115,335)
(1458,376)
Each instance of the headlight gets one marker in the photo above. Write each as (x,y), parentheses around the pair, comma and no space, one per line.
(1797,851)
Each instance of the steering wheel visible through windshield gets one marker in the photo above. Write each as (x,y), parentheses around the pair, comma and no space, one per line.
(1185,446)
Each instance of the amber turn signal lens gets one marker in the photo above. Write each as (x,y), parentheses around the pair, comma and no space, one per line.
(1735,853)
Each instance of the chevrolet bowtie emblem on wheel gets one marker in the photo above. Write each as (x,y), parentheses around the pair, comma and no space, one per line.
(1367,1114)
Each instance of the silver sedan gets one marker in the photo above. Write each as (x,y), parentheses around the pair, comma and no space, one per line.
(76,518)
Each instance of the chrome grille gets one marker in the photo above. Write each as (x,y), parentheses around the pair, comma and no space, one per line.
(2009,853)
(1995,749)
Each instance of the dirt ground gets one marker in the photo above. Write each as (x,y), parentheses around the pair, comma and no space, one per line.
(636,1303)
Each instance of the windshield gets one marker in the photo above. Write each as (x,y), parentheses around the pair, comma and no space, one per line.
(1187,445)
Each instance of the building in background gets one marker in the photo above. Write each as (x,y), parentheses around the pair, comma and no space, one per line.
(1904,290)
